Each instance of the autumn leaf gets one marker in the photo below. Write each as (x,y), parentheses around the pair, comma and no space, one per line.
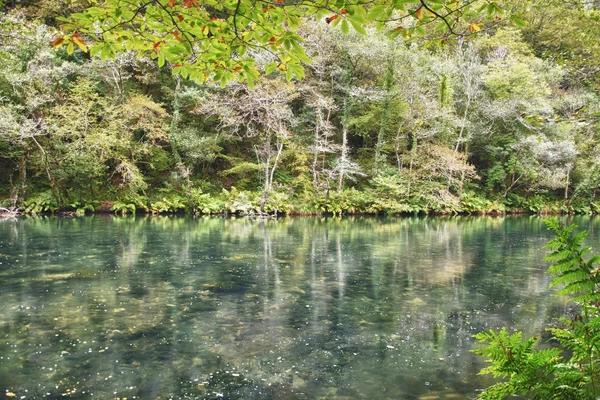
(79,42)
(58,41)
(474,27)
(332,18)
(176,34)
(172,3)
(419,13)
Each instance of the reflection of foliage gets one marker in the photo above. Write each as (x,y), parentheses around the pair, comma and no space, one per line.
(192,305)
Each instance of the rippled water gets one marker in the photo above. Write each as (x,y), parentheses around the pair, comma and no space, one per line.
(299,308)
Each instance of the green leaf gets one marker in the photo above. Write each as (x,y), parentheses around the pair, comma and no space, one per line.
(95,49)
(270,67)
(358,27)
(95,11)
(345,28)
(518,22)
(376,12)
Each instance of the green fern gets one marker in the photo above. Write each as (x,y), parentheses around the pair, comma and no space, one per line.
(547,374)
(576,276)
(123,208)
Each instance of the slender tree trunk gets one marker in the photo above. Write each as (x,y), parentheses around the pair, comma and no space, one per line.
(464,122)
(398,159)
(23,176)
(567,184)
(343,160)
(51,179)
(345,117)
(412,140)
(316,157)
(175,120)
(511,187)
(269,171)
(385,117)
(265,195)
(279,150)
(116,74)
(410,167)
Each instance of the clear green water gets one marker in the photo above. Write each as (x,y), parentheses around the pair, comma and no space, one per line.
(300,308)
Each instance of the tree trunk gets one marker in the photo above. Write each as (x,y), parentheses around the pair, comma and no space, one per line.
(343,160)
(23,177)
(385,117)
(567,184)
(175,120)
(269,171)
(464,122)
(316,159)
(265,195)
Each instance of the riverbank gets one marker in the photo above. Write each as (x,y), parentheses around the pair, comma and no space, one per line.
(334,207)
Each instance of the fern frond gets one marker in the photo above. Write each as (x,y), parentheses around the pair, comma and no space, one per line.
(562,266)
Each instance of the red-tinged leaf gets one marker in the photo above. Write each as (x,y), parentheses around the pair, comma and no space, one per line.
(237,68)
(279,1)
(58,41)
(79,42)
(344,12)
(214,19)
(474,27)
(332,18)
(180,17)
(172,3)
(419,13)
(399,28)
(187,3)
(205,30)
(156,46)
(177,65)
(176,34)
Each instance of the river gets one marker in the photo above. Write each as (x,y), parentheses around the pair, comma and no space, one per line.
(168,307)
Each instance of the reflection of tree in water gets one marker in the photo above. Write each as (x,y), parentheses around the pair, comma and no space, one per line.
(193,308)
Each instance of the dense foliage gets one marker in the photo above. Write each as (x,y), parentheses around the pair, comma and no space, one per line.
(501,121)
(553,373)
(214,39)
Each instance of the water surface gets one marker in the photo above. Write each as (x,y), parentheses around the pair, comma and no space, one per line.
(107,307)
